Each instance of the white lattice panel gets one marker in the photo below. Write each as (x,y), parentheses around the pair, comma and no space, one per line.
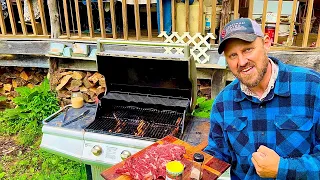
(198,44)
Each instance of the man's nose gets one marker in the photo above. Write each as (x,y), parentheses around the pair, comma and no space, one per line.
(242,60)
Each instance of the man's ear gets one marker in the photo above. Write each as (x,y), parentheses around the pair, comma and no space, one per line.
(267,43)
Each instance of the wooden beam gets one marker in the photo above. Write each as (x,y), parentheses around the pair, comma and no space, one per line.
(173,15)
(187,14)
(225,14)
(318,39)
(11,17)
(32,18)
(293,17)
(307,24)
(23,23)
(264,15)
(200,18)
(90,20)
(66,17)
(213,20)
(2,23)
(276,34)
(101,17)
(76,3)
(125,19)
(72,18)
(54,19)
(250,10)
(161,15)
(113,19)
(236,9)
(149,24)
(43,18)
(137,19)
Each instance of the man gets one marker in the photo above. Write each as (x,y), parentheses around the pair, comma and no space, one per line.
(266,123)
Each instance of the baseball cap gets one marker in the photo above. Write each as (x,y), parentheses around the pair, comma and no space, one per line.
(243,28)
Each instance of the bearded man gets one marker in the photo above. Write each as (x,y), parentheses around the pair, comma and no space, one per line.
(266,123)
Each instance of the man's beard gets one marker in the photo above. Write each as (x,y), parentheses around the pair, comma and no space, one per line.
(245,79)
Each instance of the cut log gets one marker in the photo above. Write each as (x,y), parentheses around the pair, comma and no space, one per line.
(64,94)
(7,87)
(83,89)
(63,82)
(30,85)
(74,85)
(65,73)
(78,75)
(95,77)
(93,89)
(34,79)
(14,93)
(100,90)
(87,98)
(24,76)
(87,83)
(14,83)
(66,101)
(20,69)
(21,82)
(102,82)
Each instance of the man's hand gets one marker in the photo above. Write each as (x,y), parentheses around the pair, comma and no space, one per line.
(266,162)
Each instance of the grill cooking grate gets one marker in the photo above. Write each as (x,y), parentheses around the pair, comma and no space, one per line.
(136,121)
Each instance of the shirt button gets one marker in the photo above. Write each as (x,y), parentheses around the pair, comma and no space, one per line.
(262,133)
(261,107)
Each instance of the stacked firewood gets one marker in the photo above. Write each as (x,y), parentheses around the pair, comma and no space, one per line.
(90,84)
(12,77)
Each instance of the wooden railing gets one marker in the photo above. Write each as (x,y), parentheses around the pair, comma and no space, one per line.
(72,20)
(12,31)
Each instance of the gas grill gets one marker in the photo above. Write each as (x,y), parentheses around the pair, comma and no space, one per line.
(148,97)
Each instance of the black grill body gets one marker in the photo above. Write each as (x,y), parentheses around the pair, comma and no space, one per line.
(145,98)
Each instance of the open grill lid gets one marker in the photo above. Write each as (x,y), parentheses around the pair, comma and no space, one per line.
(159,75)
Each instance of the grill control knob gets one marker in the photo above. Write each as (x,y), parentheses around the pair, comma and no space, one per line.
(125,154)
(96,150)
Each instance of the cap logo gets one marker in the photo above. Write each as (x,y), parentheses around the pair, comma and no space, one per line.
(223,33)
(235,27)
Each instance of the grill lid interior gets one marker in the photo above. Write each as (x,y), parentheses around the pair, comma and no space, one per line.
(147,76)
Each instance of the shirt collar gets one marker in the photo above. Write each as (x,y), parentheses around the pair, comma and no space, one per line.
(281,87)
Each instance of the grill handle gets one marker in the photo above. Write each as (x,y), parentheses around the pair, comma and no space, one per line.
(48,119)
(185,46)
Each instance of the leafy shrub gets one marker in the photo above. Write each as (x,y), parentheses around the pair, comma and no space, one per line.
(32,106)
(203,107)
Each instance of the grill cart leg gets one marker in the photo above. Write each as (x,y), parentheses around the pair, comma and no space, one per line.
(88,171)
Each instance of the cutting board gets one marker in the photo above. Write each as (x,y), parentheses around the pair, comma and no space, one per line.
(212,167)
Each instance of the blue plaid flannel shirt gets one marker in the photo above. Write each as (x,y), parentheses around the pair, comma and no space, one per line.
(287,121)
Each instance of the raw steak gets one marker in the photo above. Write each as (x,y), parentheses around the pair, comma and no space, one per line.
(152,164)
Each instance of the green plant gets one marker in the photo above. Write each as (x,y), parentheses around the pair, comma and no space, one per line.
(2,98)
(203,107)
(31,163)
(32,106)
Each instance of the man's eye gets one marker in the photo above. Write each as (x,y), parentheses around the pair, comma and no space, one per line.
(248,50)
(232,56)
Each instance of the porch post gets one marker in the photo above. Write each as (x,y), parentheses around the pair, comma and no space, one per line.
(54,19)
